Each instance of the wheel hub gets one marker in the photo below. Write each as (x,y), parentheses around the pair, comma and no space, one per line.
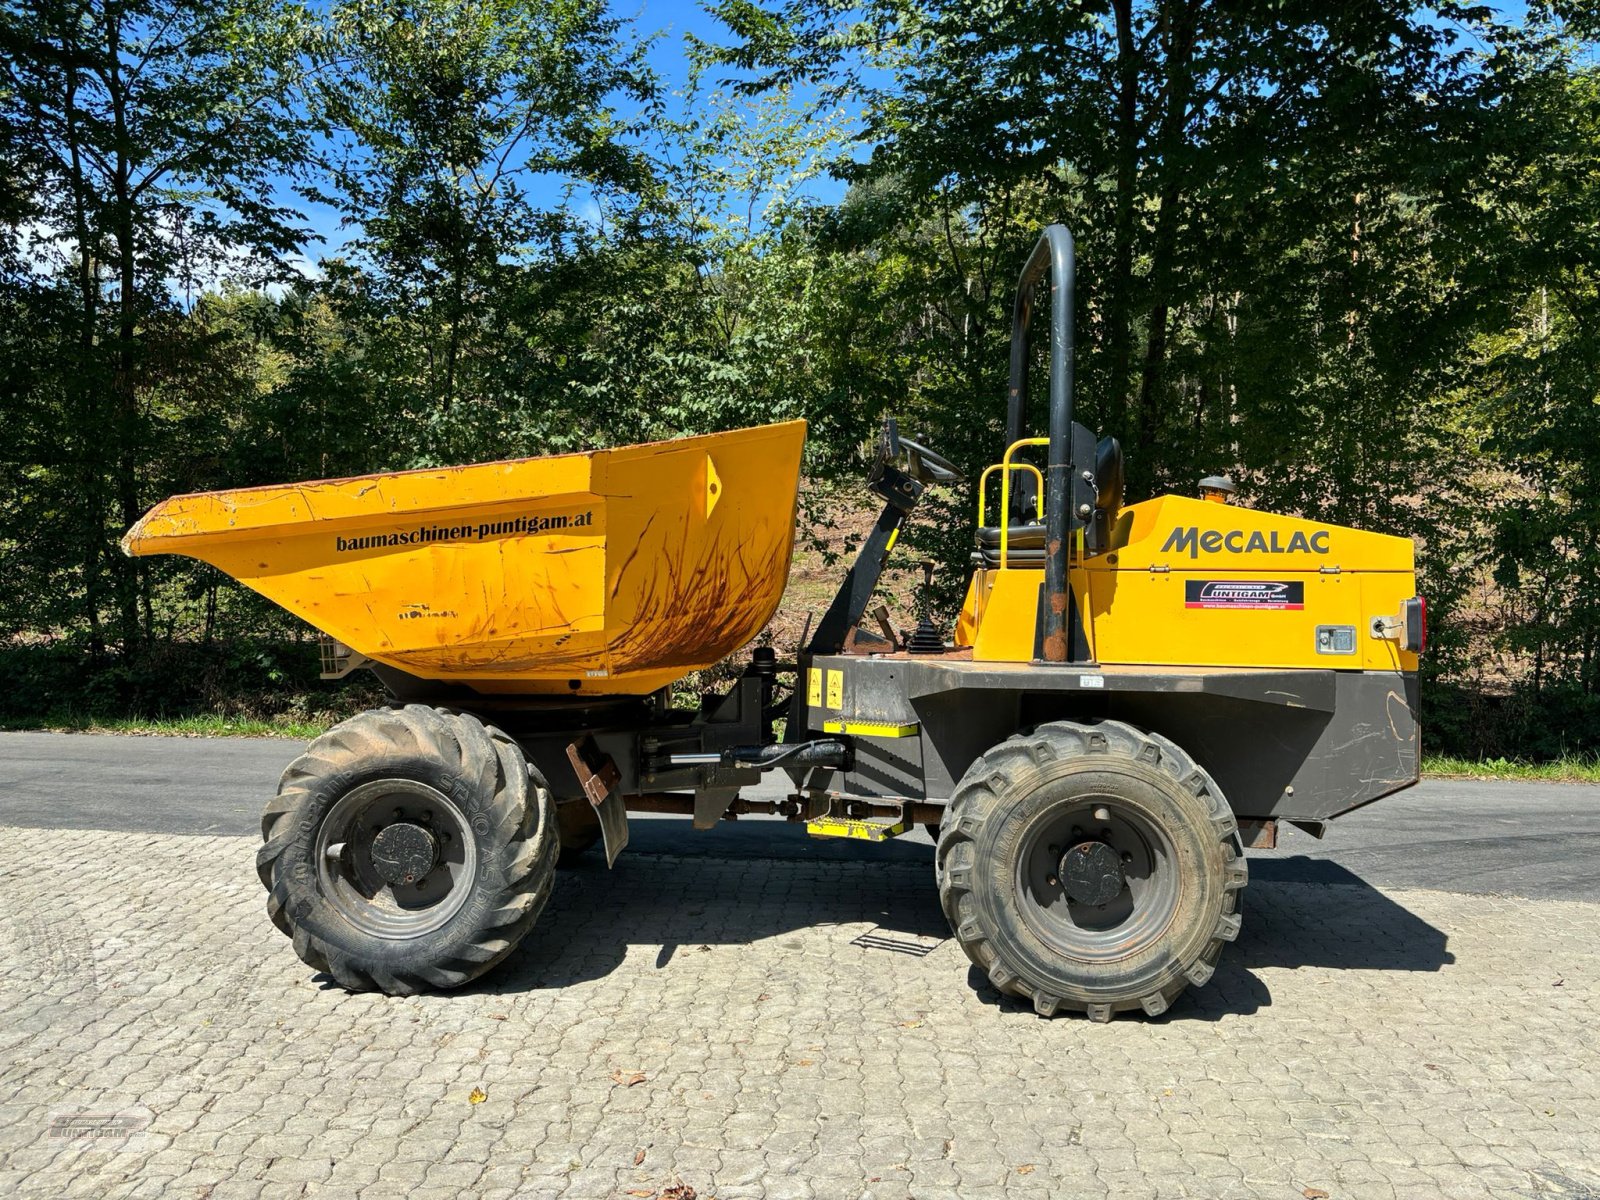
(1091,873)
(404,853)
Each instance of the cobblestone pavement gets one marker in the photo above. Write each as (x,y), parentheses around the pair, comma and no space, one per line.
(726,1027)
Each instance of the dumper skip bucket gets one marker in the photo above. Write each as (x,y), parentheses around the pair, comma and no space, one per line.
(611,572)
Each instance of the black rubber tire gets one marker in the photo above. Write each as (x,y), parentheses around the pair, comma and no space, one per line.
(579,828)
(1017,786)
(483,774)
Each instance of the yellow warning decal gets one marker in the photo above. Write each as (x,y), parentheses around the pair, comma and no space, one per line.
(814,688)
(835,689)
(886,729)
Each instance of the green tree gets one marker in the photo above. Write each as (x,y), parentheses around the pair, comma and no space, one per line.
(150,134)
(468,139)
(1283,213)
(1535,400)
(1190,144)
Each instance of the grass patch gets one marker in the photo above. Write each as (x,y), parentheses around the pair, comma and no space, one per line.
(1562,770)
(202,725)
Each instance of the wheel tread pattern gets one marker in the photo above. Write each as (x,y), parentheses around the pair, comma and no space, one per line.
(519,807)
(977,800)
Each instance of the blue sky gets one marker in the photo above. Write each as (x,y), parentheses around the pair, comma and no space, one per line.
(674,18)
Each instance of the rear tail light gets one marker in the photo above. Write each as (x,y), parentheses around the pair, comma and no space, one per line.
(1414,635)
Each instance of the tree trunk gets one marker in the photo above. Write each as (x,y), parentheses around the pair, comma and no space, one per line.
(1178,19)
(1119,308)
(130,578)
(86,466)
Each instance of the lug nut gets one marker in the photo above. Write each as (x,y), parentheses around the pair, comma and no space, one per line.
(1127,856)
(1050,879)
(1102,814)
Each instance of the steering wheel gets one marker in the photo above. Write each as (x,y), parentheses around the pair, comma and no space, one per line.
(937,467)
(925,464)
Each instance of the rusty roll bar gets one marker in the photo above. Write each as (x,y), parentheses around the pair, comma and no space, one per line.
(1053,253)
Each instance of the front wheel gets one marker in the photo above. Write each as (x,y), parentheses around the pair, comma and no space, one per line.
(1091,867)
(407,849)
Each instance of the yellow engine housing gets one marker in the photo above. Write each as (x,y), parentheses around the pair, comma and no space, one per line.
(1198,584)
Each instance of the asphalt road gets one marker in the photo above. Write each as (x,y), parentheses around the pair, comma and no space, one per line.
(1521,839)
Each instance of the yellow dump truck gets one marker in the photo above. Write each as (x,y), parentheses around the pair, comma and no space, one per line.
(1131,695)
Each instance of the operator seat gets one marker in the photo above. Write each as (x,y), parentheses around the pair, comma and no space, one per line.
(1025,545)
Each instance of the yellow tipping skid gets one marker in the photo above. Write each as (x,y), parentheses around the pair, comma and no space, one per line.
(616,571)
(881,729)
(849,827)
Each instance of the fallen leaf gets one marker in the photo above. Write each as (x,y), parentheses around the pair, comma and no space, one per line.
(1311,1193)
(763,996)
(627,1078)
(910,1024)
(1025,1169)
(804,1062)
(638,1157)
(641,1192)
(498,1017)
(1431,1066)
(678,1191)
(1558,983)
(477,1096)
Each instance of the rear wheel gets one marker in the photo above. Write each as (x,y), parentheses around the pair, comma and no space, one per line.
(1091,867)
(407,849)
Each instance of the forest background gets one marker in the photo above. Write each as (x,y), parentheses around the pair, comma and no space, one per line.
(1348,253)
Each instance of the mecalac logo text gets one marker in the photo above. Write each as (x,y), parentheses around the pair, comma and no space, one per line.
(1236,541)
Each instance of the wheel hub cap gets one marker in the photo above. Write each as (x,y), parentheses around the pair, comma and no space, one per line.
(404,853)
(1091,873)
